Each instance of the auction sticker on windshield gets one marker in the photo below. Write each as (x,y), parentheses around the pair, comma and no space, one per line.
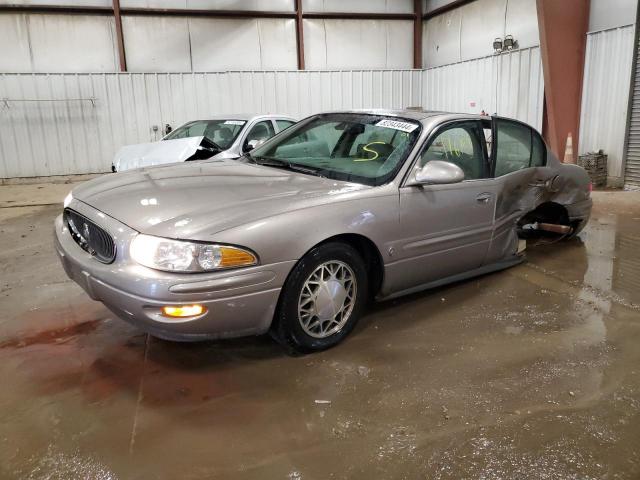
(397,125)
(235,122)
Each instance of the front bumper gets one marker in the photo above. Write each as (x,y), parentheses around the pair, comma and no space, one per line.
(239,302)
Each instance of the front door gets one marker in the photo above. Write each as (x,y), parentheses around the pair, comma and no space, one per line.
(446,229)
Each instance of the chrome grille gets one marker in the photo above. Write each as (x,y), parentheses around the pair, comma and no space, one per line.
(90,237)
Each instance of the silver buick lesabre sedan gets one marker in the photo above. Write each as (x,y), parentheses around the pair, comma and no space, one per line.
(299,234)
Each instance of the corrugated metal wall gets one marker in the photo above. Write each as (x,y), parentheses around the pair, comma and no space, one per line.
(60,124)
(510,84)
(65,132)
(605,95)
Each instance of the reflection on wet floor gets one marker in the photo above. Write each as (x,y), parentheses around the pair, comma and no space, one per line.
(532,372)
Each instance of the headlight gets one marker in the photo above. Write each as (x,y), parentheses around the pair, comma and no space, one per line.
(67,200)
(181,256)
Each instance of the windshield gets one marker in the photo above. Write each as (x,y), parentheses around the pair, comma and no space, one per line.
(359,148)
(220,132)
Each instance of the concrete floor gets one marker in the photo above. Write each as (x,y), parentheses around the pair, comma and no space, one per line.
(533,372)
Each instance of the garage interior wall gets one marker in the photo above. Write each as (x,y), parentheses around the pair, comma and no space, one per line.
(468,32)
(606,81)
(605,96)
(95,114)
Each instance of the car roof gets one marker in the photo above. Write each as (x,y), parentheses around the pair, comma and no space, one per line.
(413,114)
(246,116)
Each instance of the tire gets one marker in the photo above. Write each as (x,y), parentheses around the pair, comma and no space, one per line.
(309,317)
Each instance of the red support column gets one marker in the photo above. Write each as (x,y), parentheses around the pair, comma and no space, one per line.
(563,27)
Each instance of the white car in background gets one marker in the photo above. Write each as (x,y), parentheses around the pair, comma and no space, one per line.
(224,136)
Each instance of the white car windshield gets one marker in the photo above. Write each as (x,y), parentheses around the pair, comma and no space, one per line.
(220,132)
(361,148)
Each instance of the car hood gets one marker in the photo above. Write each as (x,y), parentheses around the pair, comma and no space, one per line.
(155,153)
(195,200)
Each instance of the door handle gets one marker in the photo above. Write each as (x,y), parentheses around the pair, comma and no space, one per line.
(483,198)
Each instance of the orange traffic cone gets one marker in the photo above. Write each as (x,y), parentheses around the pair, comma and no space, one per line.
(568,151)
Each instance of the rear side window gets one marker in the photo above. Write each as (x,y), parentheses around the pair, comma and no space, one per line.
(539,153)
(513,150)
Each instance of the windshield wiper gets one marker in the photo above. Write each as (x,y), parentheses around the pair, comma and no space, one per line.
(279,163)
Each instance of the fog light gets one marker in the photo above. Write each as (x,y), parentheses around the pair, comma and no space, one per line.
(183,311)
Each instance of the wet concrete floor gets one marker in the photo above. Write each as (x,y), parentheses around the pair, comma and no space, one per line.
(533,372)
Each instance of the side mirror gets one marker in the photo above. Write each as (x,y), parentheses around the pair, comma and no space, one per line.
(438,172)
(255,143)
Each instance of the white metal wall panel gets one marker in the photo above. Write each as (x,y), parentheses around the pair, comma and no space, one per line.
(522,22)
(264,5)
(605,95)
(71,135)
(606,14)
(14,32)
(358,6)
(510,84)
(54,43)
(468,32)
(243,44)
(157,44)
(180,44)
(344,44)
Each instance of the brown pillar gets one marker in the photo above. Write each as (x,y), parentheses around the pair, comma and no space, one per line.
(417,34)
(299,35)
(563,28)
(119,36)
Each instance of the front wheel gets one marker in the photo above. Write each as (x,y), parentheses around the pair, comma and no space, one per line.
(322,299)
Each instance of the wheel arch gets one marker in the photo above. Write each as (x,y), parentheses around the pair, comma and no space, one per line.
(550,211)
(367,249)
(369,252)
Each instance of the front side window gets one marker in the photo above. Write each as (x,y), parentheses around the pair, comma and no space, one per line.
(221,132)
(517,147)
(461,146)
(361,148)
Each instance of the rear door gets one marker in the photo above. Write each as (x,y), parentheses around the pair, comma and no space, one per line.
(446,229)
(518,165)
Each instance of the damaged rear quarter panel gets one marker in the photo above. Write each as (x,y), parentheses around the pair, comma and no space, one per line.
(523,191)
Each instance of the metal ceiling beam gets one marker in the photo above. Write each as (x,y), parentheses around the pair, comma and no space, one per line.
(445,8)
(188,12)
(56,9)
(182,12)
(358,16)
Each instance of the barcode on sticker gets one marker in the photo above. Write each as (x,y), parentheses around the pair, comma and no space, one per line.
(235,122)
(397,125)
